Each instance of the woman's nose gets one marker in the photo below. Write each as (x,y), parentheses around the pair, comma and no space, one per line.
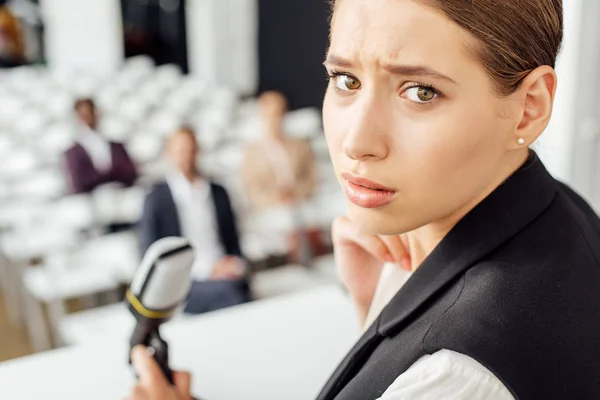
(366,135)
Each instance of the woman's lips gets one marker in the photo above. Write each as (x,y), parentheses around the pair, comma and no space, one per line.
(366,193)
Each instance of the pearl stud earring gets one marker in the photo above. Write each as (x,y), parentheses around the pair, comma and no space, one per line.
(520,141)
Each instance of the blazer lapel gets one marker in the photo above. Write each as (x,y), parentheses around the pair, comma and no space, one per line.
(351,363)
(173,221)
(508,210)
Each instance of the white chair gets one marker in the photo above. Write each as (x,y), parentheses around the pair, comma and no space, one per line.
(152,172)
(248,128)
(99,265)
(18,215)
(26,243)
(115,128)
(139,63)
(167,76)
(59,105)
(46,184)
(56,139)
(151,93)
(115,204)
(7,144)
(164,122)
(109,98)
(20,162)
(74,212)
(144,148)
(112,321)
(12,107)
(304,123)
(32,123)
(133,108)
(49,287)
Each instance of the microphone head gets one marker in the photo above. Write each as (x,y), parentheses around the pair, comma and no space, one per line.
(161,284)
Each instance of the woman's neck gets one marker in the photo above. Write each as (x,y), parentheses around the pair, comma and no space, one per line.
(422,241)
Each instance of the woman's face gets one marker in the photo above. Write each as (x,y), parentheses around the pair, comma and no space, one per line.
(410,109)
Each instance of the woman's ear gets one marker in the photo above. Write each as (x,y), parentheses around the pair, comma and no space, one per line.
(537,97)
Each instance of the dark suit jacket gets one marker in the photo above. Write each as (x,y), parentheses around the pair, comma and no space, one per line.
(83,175)
(161,219)
(515,285)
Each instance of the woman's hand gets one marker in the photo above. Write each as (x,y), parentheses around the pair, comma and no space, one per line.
(152,384)
(360,257)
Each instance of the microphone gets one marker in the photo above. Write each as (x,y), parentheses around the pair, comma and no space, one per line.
(160,287)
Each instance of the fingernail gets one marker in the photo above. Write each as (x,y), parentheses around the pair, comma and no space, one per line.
(389,258)
(406,264)
(138,351)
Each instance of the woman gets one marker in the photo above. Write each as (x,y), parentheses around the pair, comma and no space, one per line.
(430,111)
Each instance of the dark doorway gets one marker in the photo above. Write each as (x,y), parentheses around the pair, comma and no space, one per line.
(156,28)
(293,38)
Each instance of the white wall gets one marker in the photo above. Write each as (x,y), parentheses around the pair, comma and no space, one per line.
(223,42)
(557,143)
(83,34)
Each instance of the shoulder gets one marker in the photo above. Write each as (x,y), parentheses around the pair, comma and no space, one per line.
(75,149)
(119,146)
(218,189)
(579,217)
(158,190)
(448,375)
(535,288)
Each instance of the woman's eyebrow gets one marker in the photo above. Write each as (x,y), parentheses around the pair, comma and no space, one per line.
(407,70)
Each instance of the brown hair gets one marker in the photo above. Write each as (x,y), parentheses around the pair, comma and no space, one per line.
(84,102)
(515,36)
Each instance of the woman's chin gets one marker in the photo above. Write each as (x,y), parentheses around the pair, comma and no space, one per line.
(375,221)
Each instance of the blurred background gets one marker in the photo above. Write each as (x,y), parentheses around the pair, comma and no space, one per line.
(72,229)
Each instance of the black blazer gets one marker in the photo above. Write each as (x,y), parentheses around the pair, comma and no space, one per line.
(515,285)
(160,218)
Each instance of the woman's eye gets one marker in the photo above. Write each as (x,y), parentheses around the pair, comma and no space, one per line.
(346,83)
(421,94)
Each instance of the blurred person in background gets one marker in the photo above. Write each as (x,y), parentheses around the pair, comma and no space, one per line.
(188,204)
(12,52)
(279,174)
(93,161)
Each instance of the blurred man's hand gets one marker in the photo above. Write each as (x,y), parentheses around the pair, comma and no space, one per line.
(152,384)
(228,267)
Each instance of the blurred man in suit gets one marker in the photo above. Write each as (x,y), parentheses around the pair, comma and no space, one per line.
(188,204)
(279,176)
(93,160)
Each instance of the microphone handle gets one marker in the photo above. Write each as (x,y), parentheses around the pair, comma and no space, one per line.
(161,354)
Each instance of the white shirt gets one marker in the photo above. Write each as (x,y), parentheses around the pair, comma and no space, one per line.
(97,148)
(197,219)
(445,375)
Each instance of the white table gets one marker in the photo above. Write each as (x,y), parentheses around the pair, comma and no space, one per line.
(283,348)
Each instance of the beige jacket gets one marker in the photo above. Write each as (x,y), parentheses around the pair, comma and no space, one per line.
(270,170)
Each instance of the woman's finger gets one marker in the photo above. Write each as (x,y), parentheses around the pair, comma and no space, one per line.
(345,232)
(146,366)
(138,393)
(395,247)
(183,384)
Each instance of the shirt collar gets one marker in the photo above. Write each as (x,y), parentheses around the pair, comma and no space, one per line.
(183,189)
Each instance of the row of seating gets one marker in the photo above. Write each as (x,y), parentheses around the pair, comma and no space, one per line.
(62,234)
